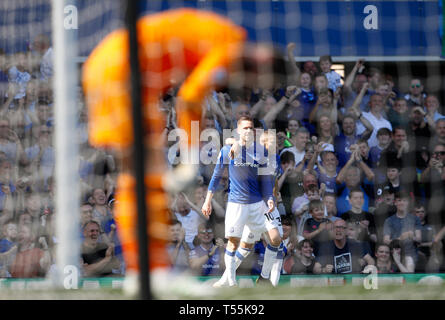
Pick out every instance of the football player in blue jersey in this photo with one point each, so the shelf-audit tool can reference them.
(251, 187)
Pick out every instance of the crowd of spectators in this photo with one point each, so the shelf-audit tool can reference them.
(360, 178)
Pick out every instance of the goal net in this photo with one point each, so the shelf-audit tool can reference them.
(365, 81)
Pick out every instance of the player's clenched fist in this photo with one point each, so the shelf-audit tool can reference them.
(207, 208)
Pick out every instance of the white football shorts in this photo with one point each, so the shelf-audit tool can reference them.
(250, 218)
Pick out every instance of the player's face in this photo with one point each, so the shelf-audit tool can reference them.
(245, 130)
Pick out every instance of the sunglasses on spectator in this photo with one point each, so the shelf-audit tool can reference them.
(206, 231)
(439, 153)
(416, 86)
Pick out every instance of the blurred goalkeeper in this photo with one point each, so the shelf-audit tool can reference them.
(201, 50)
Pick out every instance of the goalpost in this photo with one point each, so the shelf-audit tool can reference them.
(67, 157)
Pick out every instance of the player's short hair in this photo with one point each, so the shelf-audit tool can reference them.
(244, 118)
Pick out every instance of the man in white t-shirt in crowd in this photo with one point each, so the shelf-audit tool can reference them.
(189, 219)
(375, 117)
(302, 137)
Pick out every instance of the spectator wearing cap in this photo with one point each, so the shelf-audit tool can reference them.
(403, 226)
